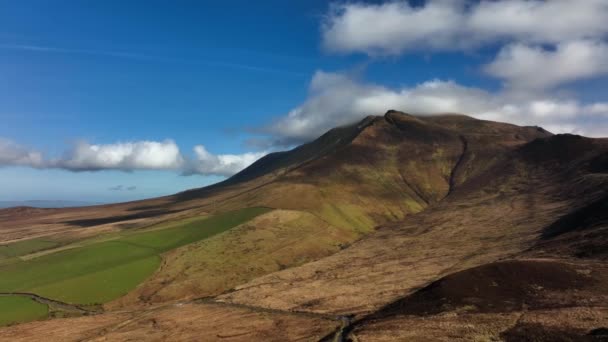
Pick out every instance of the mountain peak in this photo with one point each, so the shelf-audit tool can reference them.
(393, 112)
(396, 117)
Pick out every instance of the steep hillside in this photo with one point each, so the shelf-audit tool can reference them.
(500, 212)
(394, 166)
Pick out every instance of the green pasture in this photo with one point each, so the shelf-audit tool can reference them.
(16, 309)
(25, 247)
(102, 271)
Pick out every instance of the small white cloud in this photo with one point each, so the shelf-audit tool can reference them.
(122, 188)
(535, 68)
(397, 26)
(599, 108)
(206, 163)
(13, 154)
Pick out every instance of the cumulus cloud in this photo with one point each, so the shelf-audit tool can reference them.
(336, 99)
(129, 156)
(397, 26)
(140, 155)
(206, 163)
(12, 153)
(537, 21)
(545, 43)
(392, 27)
(535, 67)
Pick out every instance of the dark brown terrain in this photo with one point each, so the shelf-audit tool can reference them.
(397, 228)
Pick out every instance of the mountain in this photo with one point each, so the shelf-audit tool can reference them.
(397, 227)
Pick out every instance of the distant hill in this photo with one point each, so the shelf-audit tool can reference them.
(46, 204)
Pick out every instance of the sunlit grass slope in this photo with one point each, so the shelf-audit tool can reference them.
(267, 243)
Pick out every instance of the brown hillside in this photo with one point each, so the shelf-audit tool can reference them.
(506, 286)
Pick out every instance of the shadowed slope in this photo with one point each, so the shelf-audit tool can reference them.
(280, 162)
(506, 286)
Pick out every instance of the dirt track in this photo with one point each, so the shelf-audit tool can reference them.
(53, 304)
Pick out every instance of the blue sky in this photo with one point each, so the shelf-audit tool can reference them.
(97, 94)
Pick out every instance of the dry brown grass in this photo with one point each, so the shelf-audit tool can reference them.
(179, 322)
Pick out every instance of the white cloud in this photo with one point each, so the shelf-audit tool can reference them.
(337, 99)
(548, 44)
(129, 156)
(206, 163)
(13, 154)
(395, 27)
(538, 21)
(534, 67)
(140, 155)
(392, 27)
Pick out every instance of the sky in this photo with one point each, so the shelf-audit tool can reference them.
(107, 101)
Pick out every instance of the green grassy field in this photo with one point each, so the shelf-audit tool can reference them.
(103, 271)
(263, 245)
(25, 247)
(15, 309)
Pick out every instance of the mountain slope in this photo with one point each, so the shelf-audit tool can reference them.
(368, 217)
(367, 160)
(499, 213)
(394, 166)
